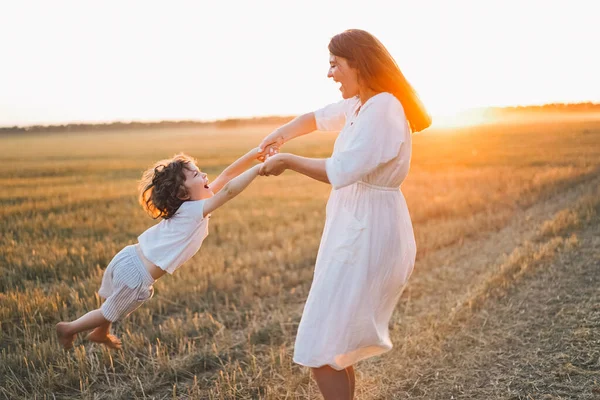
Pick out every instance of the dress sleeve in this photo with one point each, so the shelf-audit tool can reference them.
(333, 116)
(378, 134)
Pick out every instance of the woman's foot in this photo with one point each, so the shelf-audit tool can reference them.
(65, 338)
(110, 341)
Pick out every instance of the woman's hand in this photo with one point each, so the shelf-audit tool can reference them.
(266, 152)
(274, 165)
(270, 145)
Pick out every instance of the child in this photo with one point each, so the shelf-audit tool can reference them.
(179, 193)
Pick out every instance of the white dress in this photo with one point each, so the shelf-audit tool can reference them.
(368, 249)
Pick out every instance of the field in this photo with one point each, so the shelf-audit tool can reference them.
(503, 303)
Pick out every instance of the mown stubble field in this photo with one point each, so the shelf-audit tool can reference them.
(493, 206)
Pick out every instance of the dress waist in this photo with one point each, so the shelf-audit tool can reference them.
(376, 187)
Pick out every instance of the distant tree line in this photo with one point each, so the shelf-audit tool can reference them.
(567, 107)
(83, 127)
(240, 122)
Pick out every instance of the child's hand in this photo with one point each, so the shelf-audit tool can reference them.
(267, 152)
(274, 165)
(270, 145)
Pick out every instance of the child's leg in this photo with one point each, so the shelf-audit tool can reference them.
(101, 331)
(66, 331)
(102, 335)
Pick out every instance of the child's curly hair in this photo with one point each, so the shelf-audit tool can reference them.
(161, 189)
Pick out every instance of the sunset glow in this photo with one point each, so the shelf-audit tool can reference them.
(78, 61)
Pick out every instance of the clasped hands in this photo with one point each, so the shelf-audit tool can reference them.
(268, 152)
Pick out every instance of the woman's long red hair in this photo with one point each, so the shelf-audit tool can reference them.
(378, 71)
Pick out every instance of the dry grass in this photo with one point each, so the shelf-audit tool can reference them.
(223, 326)
(530, 331)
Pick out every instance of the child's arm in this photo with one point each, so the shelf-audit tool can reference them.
(236, 168)
(231, 189)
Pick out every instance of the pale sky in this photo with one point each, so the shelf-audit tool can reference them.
(83, 61)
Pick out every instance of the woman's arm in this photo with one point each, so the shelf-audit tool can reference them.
(230, 190)
(236, 168)
(311, 167)
(299, 126)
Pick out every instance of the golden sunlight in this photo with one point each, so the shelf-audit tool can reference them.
(474, 116)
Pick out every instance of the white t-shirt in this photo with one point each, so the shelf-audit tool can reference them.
(173, 241)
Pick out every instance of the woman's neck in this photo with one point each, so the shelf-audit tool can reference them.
(366, 94)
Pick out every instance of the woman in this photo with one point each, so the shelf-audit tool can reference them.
(367, 250)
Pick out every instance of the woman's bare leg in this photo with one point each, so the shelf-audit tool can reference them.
(352, 379)
(333, 384)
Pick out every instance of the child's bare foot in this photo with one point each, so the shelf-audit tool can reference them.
(64, 338)
(110, 341)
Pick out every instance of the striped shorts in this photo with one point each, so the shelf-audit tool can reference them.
(126, 285)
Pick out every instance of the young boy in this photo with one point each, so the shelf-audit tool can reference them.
(176, 191)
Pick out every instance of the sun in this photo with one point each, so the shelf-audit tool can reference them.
(465, 117)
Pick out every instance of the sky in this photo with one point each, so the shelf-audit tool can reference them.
(79, 61)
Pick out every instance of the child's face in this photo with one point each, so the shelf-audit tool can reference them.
(196, 183)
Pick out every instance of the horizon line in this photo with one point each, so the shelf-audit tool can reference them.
(272, 116)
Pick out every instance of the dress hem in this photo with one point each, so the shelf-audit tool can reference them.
(382, 349)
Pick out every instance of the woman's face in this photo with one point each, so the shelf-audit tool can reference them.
(342, 73)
